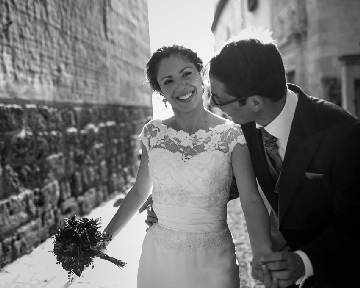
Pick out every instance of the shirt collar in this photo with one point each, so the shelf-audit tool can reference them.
(281, 125)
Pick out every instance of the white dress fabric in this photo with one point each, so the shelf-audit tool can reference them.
(191, 245)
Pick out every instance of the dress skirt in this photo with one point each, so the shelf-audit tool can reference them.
(178, 259)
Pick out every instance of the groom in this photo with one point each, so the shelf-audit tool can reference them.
(306, 157)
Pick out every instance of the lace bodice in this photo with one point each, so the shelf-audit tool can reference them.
(191, 173)
(191, 245)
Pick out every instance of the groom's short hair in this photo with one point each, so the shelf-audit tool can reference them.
(250, 64)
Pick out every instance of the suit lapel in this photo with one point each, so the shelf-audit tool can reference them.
(300, 149)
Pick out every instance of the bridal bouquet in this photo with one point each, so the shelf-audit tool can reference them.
(78, 242)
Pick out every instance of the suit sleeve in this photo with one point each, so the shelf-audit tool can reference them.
(337, 248)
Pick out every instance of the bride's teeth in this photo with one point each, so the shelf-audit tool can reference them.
(184, 97)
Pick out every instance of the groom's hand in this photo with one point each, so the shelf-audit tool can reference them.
(285, 267)
(151, 216)
(261, 273)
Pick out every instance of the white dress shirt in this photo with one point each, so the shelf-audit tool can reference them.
(280, 128)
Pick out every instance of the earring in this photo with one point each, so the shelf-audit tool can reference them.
(165, 102)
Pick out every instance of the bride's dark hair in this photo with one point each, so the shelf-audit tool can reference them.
(165, 52)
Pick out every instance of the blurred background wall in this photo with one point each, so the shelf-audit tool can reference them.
(73, 99)
(318, 39)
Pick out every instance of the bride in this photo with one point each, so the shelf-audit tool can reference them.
(188, 163)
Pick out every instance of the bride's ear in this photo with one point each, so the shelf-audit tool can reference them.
(255, 103)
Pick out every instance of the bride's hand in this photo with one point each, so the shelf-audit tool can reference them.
(151, 216)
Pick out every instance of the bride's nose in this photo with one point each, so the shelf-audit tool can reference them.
(181, 83)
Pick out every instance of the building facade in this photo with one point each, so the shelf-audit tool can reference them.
(318, 39)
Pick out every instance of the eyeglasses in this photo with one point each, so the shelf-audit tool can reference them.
(215, 102)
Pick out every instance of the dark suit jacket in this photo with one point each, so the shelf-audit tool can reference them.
(318, 204)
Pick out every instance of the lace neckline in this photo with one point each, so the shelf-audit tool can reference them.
(197, 133)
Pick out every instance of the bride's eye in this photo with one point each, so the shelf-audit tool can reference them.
(187, 74)
(167, 81)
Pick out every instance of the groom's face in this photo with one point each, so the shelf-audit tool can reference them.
(239, 113)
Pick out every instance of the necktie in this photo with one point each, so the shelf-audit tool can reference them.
(272, 153)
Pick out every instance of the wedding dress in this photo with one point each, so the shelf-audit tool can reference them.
(191, 245)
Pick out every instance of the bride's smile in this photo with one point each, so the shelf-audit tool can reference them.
(180, 83)
(185, 97)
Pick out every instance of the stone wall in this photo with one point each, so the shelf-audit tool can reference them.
(60, 161)
(91, 51)
(313, 35)
(72, 102)
(232, 16)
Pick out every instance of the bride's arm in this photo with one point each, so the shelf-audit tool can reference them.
(255, 212)
(134, 198)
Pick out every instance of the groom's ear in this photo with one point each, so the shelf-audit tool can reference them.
(255, 103)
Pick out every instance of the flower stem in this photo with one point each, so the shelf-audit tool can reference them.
(113, 260)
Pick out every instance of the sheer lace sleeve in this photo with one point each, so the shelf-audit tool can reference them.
(150, 134)
(235, 135)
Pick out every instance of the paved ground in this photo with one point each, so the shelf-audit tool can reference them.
(39, 269)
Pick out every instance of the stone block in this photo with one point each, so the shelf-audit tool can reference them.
(58, 218)
(27, 237)
(3, 192)
(103, 171)
(111, 129)
(11, 182)
(88, 201)
(104, 191)
(36, 118)
(100, 194)
(100, 151)
(70, 165)
(69, 207)
(11, 119)
(20, 148)
(13, 214)
(1, 254)
(56, 165)
(112, 164)
(65, 190)
(68, 117)
(76, 184)
(89, 176)
(50, 193)
(29, 198)
(71, 136)
(9, 223)
(41, 150)
(48, 218)
(7, 250)
(88, 136)
(102, 136)
(114, 147)
(85, 116)
(112, 183)
(55, 141)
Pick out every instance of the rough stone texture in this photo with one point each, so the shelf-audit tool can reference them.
(42, 185)
(91, 51)
(72, 97)
(312, 36)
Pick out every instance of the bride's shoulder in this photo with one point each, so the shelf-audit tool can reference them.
(218, 121)
(151, 124)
